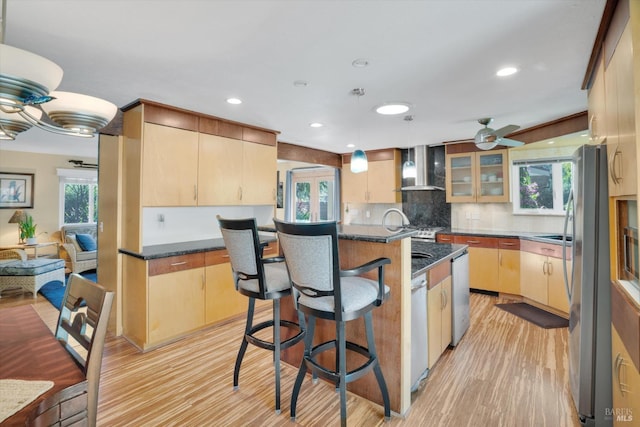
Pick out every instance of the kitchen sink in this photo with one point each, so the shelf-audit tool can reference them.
(556, 237)
(421, 254)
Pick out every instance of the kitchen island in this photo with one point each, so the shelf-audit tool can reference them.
(392, 321)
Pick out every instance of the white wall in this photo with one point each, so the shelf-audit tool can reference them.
(184, 224)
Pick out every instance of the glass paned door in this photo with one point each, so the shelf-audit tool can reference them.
(314, 198)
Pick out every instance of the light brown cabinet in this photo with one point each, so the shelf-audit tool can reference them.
(542, 274)
(439, 311)
(626, 384)
(380, 184)
(169, 166)
(620, 98)
(478, 177)
(232, 172)
(509, 266)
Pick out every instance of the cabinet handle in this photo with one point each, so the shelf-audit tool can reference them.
(612, 167)
(239, 193)
(473, 242)
(500, 260)
(174, 264)
(592, 128)
(441, 300)
(549, 268)
(444, 239)
(225, 256)
(544, 268)
(619, 364)
(204, 281)
(446, 299)
(507, 244)
(195, 192)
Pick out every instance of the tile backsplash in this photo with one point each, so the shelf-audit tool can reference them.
(500, 217)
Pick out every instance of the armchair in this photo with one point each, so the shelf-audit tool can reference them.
(77, 260)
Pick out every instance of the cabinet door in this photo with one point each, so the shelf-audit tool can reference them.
(446, 314)
(434, 318)
(533, 278)
(626, 383)
(492, 176)
(509, 271)
(557, 292)
(219, 170)
(169, 166)
(222, 299)
(625, 164)
(382, 185)
(460, 178)
(176, 304)
(354, 185)
(483, 263)
(597, 110)
(259, 174)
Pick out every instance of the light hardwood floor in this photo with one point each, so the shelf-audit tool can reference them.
(504, 372)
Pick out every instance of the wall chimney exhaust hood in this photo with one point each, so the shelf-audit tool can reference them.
(423, 166)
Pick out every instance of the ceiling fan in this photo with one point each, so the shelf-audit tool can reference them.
(487, 138)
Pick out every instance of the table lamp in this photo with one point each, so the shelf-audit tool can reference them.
(17, 217)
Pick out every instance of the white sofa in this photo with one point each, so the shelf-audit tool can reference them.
(77, 259)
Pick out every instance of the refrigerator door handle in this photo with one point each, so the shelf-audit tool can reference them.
(568, 284)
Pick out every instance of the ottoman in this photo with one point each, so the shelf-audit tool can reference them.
(30, 275)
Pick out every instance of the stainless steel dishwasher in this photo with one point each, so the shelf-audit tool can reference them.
(419, 342)
(460, 297)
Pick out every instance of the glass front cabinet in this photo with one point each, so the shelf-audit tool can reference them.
(478, 177)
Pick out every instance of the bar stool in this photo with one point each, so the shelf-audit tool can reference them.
(258, 278)
(322, 290)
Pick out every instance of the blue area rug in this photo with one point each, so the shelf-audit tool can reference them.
(54, 291)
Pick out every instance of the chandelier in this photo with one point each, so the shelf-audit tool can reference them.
(28, 97)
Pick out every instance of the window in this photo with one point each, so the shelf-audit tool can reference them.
(78, 196)
(314, 195)
(541, 187)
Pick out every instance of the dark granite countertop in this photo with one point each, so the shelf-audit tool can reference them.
(440, 252)
(184, 248)
(527, 235)
(367, 233)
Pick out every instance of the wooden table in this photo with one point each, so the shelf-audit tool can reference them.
(29, 351)
(35, 248)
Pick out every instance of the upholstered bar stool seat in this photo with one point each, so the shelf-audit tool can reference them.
(258, 278)
(322, 290)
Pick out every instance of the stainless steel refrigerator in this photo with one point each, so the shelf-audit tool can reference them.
(589, 289)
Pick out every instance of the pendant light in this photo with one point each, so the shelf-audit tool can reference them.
(27, 97)
(359, 161)
(409, 167)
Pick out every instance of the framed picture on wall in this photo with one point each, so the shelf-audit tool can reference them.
(16, 190)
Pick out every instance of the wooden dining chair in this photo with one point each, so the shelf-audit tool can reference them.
(81, 329)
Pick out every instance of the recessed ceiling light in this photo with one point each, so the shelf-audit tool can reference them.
(351, 145)
(551, 142)
(584, 135)
(316, 125)
(300, 83)
(392, 108)
(234, 101)
(506, 71)
(360, 63)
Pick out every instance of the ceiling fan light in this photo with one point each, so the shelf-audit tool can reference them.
(359, 162)
(12, 124)
(485, 139)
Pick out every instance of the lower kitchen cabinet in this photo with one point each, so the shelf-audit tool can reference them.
(542, 274)
(626, 384)
(483, 261)
(175, 304)
(439, 311)
(222, 300)
(509, 266)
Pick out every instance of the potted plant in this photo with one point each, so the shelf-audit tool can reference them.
(28, 230)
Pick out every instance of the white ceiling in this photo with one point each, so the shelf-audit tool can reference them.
(439, 55)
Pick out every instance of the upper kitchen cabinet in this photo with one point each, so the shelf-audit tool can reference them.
(620, 94)
(597, 112)
(232, 172)
(380, 184)
(187, 159)
(478, 177)
(169, 172)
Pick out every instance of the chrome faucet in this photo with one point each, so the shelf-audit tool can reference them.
(405, 220)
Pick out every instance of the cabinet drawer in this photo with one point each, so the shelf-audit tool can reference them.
(546, 249)
(175, 263)
(216, 257)
(476, 242)
(444, 238)
(508, 243)
(438, 273)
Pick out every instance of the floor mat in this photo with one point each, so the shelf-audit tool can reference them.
(54, 291)
(535, 315)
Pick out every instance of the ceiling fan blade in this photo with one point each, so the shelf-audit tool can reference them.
(505, 130)
(510, 142)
